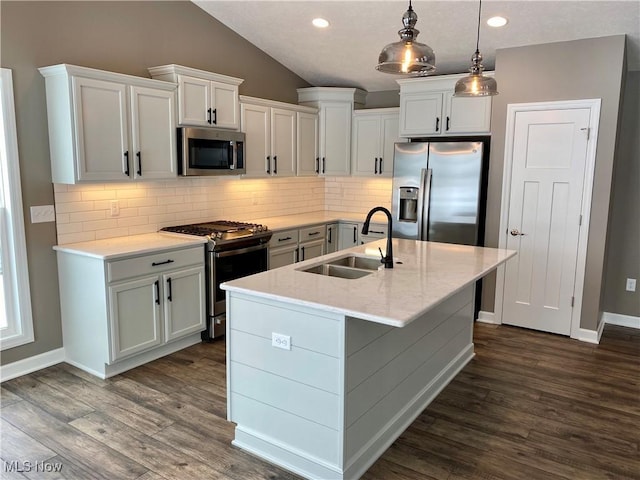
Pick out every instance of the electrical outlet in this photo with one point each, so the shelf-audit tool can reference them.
(114, 208)
(280, 341)
(42, 214)
(631, 284)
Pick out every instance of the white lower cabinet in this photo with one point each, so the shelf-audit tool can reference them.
(332, 238)
(290, 246)
(118, 314)
(347, 235)
(377, 231)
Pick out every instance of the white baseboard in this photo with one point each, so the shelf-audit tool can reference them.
(487, 317)
(31, 364)
(591, 336)
(621, 320)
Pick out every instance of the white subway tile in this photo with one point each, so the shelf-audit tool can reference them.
(76, 237)
(130, 193)
(140, 229)
(99, 225)
(132, 221)
(87, 216)
(65, 228)
(112, 233)
(66, 197)
(74, 207)
(99, 195)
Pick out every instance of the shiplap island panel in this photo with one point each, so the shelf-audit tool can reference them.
(348, 381)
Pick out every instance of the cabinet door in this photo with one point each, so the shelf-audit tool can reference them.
(101, 124)
(467, 114)
(366, 145)
(307, 144)
(224, 102)
(335, 138)
(279, 257)
(420, 114)
(255, 121)
(283, 142)
(348, 236)
(193, 101)
(153, 132)
(332, 238)
(312, 249)
(390, 125)
(134, 316)
(183, 302)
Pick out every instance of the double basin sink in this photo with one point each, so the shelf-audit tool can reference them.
(349, 267)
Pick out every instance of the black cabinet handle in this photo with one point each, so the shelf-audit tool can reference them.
(312, 234)
(209, 116)
(355, 235)
(448, 121)
(330, 228)
(169, 289)
(269, 164)
(437, 124)
(380, 169)
(126, 157)
(284, 239)
(139, 163)
(155, 264)
(157, 284)
(376, 231)
(317, 164)
(302, 248)
(214, 120)
(324, 164)
(375, 168)
(275, 164)
(297, 252)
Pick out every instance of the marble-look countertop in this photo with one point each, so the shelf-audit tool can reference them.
(424, 275)
(111, 248)
(301, 220)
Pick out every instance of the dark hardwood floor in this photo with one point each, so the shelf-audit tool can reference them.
(528, 406)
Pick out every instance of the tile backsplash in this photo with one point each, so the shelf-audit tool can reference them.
(83, 212)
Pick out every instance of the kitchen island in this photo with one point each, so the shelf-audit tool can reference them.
(325, 372)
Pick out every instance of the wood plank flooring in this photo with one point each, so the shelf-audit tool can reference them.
(529, 406)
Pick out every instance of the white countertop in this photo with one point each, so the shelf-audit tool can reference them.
(430, 272)
(118, 247)
(283, 222)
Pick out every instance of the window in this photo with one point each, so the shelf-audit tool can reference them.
(16, 323)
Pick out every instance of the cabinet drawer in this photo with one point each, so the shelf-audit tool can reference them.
(312, 233)
(154, 263)
(378, 230)
(285, 237)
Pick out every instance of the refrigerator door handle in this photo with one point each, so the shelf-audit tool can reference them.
(423, 204)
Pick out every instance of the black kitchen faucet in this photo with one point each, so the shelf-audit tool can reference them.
(387, 259)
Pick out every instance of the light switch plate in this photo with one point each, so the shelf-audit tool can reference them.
(43, 213)
(631, 285)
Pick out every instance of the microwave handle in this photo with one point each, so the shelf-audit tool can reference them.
(234, 157)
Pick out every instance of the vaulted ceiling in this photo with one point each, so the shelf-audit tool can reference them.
(345, 53)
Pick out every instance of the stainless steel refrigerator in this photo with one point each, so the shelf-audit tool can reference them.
(438, 192)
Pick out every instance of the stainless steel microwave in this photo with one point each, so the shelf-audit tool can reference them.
(210, 151)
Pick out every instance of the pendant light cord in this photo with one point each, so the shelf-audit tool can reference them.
(478, 36)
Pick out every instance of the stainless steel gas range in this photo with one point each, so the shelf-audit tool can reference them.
(233, 250)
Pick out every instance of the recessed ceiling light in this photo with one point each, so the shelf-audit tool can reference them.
(320, 23)
(497, 22)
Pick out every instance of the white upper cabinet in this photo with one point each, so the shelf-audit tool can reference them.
(428, 108)
(336, 107)
(107, 126)
(307, 144)
(374, 133)
(204, 98)
(272, 132)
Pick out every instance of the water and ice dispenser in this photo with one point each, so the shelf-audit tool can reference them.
(408, 204)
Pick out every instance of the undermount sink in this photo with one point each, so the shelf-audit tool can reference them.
(349, 267)
(367, 263)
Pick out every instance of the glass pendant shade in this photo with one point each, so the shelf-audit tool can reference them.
(476, 84)
(407, 56)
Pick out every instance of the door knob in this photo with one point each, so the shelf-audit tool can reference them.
(516, 233)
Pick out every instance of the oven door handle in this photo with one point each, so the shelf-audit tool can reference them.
(239, 251)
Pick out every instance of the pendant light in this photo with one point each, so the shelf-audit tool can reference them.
(476, 84)
(407, 57)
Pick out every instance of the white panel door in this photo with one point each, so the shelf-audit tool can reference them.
(183, 302)
(134, 316)
(348, 235)
(256, 125)
(153, 132)
(307, 144)
(224, 104)
(335, 138)
(194, 101)
(283, 142)
(547, 181)
(101, 121)
(366, 145)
